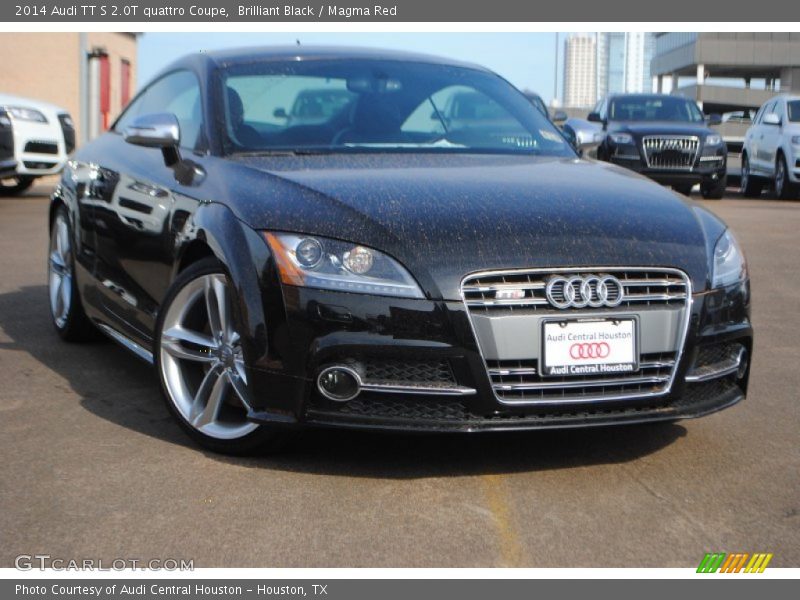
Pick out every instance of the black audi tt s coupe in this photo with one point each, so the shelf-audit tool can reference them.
(367, 239)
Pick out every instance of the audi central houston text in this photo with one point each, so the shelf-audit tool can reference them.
(310, 236)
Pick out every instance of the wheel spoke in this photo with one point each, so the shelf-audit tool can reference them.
(216, 306)
(55, 292)
(176, 350)
(214, 391)
(240, 388)
(57, 262)
(180, 334)
(65, 289)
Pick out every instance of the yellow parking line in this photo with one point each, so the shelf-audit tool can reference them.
(508, 542)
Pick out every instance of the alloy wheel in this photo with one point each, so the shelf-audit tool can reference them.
(201, 359)
(780, 178)
(60, 272)
(745, 177)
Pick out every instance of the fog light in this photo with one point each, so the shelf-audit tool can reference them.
(338, 383)
(742, 365)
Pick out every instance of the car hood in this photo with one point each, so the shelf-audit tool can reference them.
(12, 100)
(639, 128)
(447, 216)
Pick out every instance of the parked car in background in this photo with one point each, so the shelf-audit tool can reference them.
(664, 137)
(738, 116)
(584, 135)
(558, 116)
(384, 270)
(771, 151)
(312, 107)
(35, 140)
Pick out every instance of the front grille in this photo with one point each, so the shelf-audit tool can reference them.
(519, 381)
(406, 372)
(40, 147)
(32, 164)
(412, 409)
(68, 129)
(646, 292)
(641, 288)
(671, 152)
(709, 356)
(421, 414)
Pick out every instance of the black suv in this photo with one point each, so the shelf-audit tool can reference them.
(666, 138)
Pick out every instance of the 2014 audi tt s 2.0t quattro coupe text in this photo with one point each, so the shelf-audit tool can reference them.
(374, 262)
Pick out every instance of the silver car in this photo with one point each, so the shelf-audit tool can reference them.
(771, 152)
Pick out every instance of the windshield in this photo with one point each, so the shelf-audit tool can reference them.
(794, 110)
(385, 106)
(654, 108)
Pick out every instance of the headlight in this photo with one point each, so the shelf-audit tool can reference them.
(729, 264)
(621, 138)
(311, 261)
(713, 140)
(26, 114)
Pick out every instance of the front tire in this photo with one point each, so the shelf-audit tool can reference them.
(201, 364)
(784, 189)
(14, 186)
(685, 189)
(751, 185)
(714, 189)
(66, 309)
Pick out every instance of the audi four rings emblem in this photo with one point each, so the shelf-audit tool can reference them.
(580, 291)
(590, 350)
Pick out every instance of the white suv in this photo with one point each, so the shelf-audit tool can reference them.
(771, 151)
(35, 140)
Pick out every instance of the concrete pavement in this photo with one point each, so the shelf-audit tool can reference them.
(92, 465)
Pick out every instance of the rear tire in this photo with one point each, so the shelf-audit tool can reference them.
(201, 365)
(714, 189)
(751, 185)
(784, 189)
(14, 186)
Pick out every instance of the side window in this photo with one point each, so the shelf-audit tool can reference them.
(778, 110)
(178, 93)
(133, 110)
(757, 118)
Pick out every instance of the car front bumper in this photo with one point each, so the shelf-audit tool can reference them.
(700, 172)
(421, 339)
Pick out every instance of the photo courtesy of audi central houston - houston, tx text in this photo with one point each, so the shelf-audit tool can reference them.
(407, 299)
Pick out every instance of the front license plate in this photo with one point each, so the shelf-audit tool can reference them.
(589, 347)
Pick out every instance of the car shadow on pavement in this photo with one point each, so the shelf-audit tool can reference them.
(114, 385)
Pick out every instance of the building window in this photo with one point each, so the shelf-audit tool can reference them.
(125, 83)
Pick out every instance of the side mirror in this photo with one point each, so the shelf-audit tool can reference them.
(714, 119)
(280, 113)
(559, 116)
(594, 117)
(771, 119)
(156, 130)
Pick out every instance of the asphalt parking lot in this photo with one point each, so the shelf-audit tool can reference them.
(92, 465)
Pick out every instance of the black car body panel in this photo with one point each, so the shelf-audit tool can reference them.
(137, 223)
